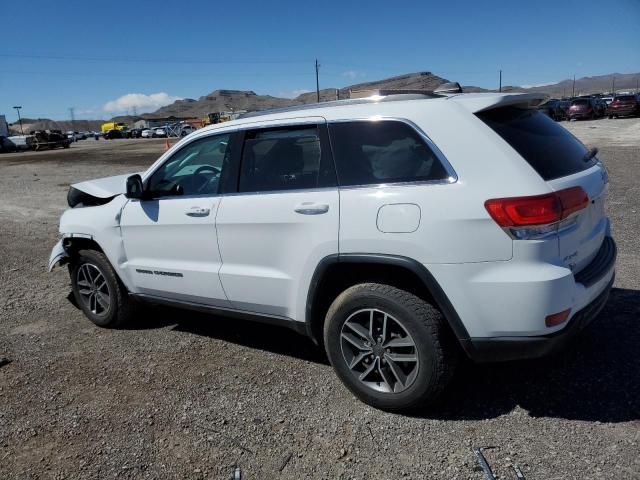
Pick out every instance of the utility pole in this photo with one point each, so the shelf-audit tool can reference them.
(573, 88)
(317, 81)
(613, 85)
(19, 119)
(500, 87)
(73, 119)
(637, 91)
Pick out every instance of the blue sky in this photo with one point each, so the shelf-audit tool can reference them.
(87, 55)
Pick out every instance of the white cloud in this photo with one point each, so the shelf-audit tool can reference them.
(293, 93)
(140, 101)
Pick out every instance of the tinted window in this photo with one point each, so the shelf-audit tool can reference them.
(580, 102)
(373, 152)
(624, 98)
(195, 169)
(547, 147)
(281, 159)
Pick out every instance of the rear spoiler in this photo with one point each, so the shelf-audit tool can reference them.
(478, 102)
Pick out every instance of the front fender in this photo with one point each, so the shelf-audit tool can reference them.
(58, 256)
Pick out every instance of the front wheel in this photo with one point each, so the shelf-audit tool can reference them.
(389, 347)
(98, 291)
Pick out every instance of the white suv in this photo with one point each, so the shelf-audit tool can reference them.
(398, 232)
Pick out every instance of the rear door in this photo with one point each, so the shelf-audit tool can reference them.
(282, 219)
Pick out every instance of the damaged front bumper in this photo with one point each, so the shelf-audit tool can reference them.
(58, 255)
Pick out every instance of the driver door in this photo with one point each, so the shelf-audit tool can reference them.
(170, 237)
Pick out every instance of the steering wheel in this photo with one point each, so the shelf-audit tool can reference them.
(205, 168)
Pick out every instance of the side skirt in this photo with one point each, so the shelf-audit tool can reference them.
(286, 322)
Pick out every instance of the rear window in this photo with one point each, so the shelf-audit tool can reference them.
(385, 151)
(547, 147)
(580, 102)
(624, 98)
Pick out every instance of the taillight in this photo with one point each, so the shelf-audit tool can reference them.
(537, 210)
(523, 211)
(572, 200)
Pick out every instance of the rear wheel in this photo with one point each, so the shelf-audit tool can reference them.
(98, 291)
(389, 347)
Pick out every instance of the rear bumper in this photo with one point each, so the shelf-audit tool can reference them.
(622, 111)
(581, 114)
(500, 349)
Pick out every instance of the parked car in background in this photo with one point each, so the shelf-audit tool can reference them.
(556, 109)
(585, 108)
(186, 130)
(135, 133)
(624, 105)
(146, 133)
(112, 134)
(160, 132)
(75, 136)
(607, 99)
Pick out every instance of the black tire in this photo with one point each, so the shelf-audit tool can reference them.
(119, 308)
(434, 348)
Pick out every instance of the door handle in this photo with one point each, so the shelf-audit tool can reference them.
(311, 208)
(197, 211)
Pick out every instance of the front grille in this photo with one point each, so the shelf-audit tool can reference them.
(600, 265)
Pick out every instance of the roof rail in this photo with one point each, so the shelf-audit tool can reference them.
(340, 103)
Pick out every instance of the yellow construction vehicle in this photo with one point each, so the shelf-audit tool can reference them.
(112, 126)
(220, 117)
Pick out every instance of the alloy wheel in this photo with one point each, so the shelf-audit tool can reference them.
(93, 289)
(379, 351)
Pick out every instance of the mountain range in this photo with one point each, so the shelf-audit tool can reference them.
(229, 100)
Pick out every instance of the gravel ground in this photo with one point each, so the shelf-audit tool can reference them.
(182, 395)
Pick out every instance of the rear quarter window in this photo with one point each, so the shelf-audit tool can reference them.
(384, 151)
(550, 149)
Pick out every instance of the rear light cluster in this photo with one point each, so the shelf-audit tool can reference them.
(539, 215)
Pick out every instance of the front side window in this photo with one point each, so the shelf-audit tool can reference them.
(195, 169)
(386, 151)
(282, 159)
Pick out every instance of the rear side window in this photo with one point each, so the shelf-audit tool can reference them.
(284, 159)
(374, 152)
(547, 147)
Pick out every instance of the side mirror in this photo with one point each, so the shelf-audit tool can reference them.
(135, 189)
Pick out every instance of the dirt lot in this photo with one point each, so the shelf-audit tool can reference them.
(182, 395)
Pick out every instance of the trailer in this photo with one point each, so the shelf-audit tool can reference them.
(49, 139)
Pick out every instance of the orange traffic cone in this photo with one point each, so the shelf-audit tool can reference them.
(167, 145)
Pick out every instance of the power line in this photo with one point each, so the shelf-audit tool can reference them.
(148, 60)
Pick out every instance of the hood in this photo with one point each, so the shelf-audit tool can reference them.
(104, 187)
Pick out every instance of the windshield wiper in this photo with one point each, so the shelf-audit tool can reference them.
(590, 154)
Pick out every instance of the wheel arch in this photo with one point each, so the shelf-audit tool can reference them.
(337, 272)
(73, 243)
